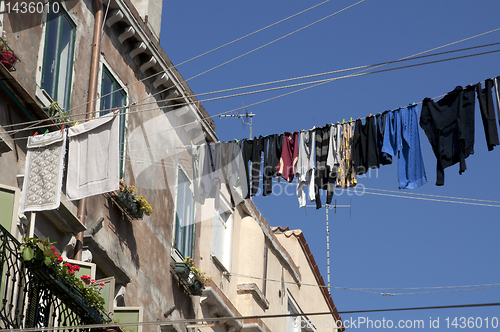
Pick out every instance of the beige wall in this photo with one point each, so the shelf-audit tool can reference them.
(249, 242)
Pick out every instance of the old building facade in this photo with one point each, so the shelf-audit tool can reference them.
(72, 61)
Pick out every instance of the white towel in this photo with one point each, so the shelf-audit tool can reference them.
(43, 172)
(94, 157)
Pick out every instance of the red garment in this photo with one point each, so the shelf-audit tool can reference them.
(289, 156)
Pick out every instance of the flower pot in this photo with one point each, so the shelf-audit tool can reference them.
(196, 288)
(8, 59)
(128, 202)
(182, 270)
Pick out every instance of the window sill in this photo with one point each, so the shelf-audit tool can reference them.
(258, 296)
(221, 267)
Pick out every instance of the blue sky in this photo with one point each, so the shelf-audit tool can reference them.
(382, 241)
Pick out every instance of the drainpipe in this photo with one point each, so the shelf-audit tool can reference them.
(92, 95)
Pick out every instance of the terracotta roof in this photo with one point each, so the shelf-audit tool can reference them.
(312, 263)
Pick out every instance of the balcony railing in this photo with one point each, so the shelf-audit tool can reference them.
(32, 295)
(7, 56)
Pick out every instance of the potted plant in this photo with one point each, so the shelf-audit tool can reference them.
(8, 58)
(82, 294)
(135, 205)
(193, 279)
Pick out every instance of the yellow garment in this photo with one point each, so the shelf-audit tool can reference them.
(346, 177)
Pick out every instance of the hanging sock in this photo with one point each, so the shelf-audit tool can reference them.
(485, 98)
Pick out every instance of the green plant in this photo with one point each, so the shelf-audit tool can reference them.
(5, 44)
(199, 274)
(43, 250)
(56, 112)
(143, 205)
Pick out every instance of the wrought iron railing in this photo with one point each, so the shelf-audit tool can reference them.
(7, 56)
(33, 296)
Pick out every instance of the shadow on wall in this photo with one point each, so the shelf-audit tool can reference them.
(123, 229)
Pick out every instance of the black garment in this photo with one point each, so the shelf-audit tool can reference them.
(485, 98)
(384, 157)
(322, 171)
(246, 152)
(365, 153)
(274, 144)
(449, 126)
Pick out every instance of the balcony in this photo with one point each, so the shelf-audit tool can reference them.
(7, 56)
(34, 295)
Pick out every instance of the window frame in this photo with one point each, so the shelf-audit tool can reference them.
(64, 14)
(223, 262)
(179, 252)
(15, 206)
(291, 304)
(122, 89)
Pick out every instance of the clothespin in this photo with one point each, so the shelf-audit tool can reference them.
(36, 133)
(351, 119)
(343, 120)
(46, 131)
(62, 128)
(356, 119)
(76, 123)
(370, 115)
(91, 120)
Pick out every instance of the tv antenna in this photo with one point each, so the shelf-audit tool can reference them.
(328, 207)
(246, 115)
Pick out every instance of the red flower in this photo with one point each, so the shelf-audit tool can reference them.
(54, 249)
(59, 259)
(86, 279)
(55, 253)
(68, 265)
(76, 268)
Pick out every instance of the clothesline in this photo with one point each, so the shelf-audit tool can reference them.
(331, 156)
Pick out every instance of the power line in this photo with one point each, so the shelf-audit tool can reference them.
(196, 57)
(272, 42)
(315, 83)
(240, 318)
(250, 34)
(448, 197)
(444, 289)
(415, 55)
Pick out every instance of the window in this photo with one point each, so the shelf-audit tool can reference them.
(113, 95)
(184, 217)
(222, 235)
(58, 57)
(296, 323)
(9, 202)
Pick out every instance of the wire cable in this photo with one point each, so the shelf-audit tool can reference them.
(250, 34)
(377, 65)
(272, 42)
(315, 83)
(196, 57)
(243, 318)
